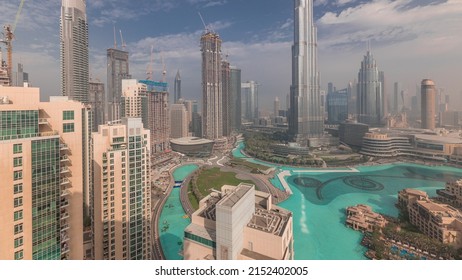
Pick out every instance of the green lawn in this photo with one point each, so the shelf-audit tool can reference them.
(213, 178)
(249, 165)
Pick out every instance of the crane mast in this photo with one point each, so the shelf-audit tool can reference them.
(8, 36)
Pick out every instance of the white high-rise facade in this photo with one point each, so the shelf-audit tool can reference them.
(306, 116)
(74, 50)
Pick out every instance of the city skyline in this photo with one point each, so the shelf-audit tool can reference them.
(412, 39)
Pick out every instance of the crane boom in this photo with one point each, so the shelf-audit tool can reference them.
(18, 13)
(122, 40)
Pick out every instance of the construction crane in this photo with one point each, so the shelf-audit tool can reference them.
(150, 70)
(122, 40)
(8, 36)
(164, 70)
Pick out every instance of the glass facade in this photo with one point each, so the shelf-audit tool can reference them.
(45, 200)
(200, 240)
(19, 124)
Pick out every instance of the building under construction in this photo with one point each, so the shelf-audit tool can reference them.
(148, 100)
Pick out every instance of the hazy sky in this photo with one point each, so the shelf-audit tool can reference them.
(411, 40)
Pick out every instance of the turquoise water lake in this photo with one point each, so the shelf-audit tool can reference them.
(318, 204)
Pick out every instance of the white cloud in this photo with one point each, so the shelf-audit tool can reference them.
(410, 42)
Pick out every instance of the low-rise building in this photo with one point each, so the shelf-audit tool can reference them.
(452, 193)
(362, 218)
(192, 146)
(440, 146)
(239, 222)
(438, 221)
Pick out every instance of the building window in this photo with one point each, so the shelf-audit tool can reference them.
(68, 127)
(18, 201)
(17, 228)
(18, 255)
(17, 161)
(18, 242)
(18, 215)
(68, 115)
(17, 175)
(17, 148)
(18, 188)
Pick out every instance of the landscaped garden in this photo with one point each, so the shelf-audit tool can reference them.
(205, 180)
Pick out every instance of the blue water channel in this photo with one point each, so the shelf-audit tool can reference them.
(173, 219)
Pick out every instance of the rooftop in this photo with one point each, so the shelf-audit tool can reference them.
(231, 198)
(190, 141)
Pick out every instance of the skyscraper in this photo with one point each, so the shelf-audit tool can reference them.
(235, 98)
(117, 70)
(337, 106)
(158, 116)
(371, 105)
(306, 117)
(226, 99)
(96, 98)
(177, 88)
(428, 93)
(148, 100)
(277, 107)
(397, 105)
(250, 100)
(212, 125)
(45, 175)
(178, 121)
(122, 200)
(74, 50)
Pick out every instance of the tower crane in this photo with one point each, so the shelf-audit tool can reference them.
(164, 70)
(8, 36)
(122, 40)
(150, 70)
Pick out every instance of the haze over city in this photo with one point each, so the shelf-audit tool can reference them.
(411, 40)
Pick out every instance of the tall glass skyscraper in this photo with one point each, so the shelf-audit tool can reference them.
(306, 117)
(74, 50)
(177, 87)
(371, 105)
(235, 98)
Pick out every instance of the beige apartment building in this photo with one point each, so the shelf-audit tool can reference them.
(438, 221)
(45, 158)
(239, 223)
(452, 193)
(148, 100)
(122, 191)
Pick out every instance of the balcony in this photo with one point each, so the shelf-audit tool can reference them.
(64, 215)
(64, 203)
(64, 170)
(63, 147)
(65, 193)
(64, 237)
(49, 133)
(65, 227)
(64, 248)
(64, 181)
(43, 121)
(64, 159)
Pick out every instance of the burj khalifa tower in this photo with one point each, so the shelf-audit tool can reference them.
(306, 116)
